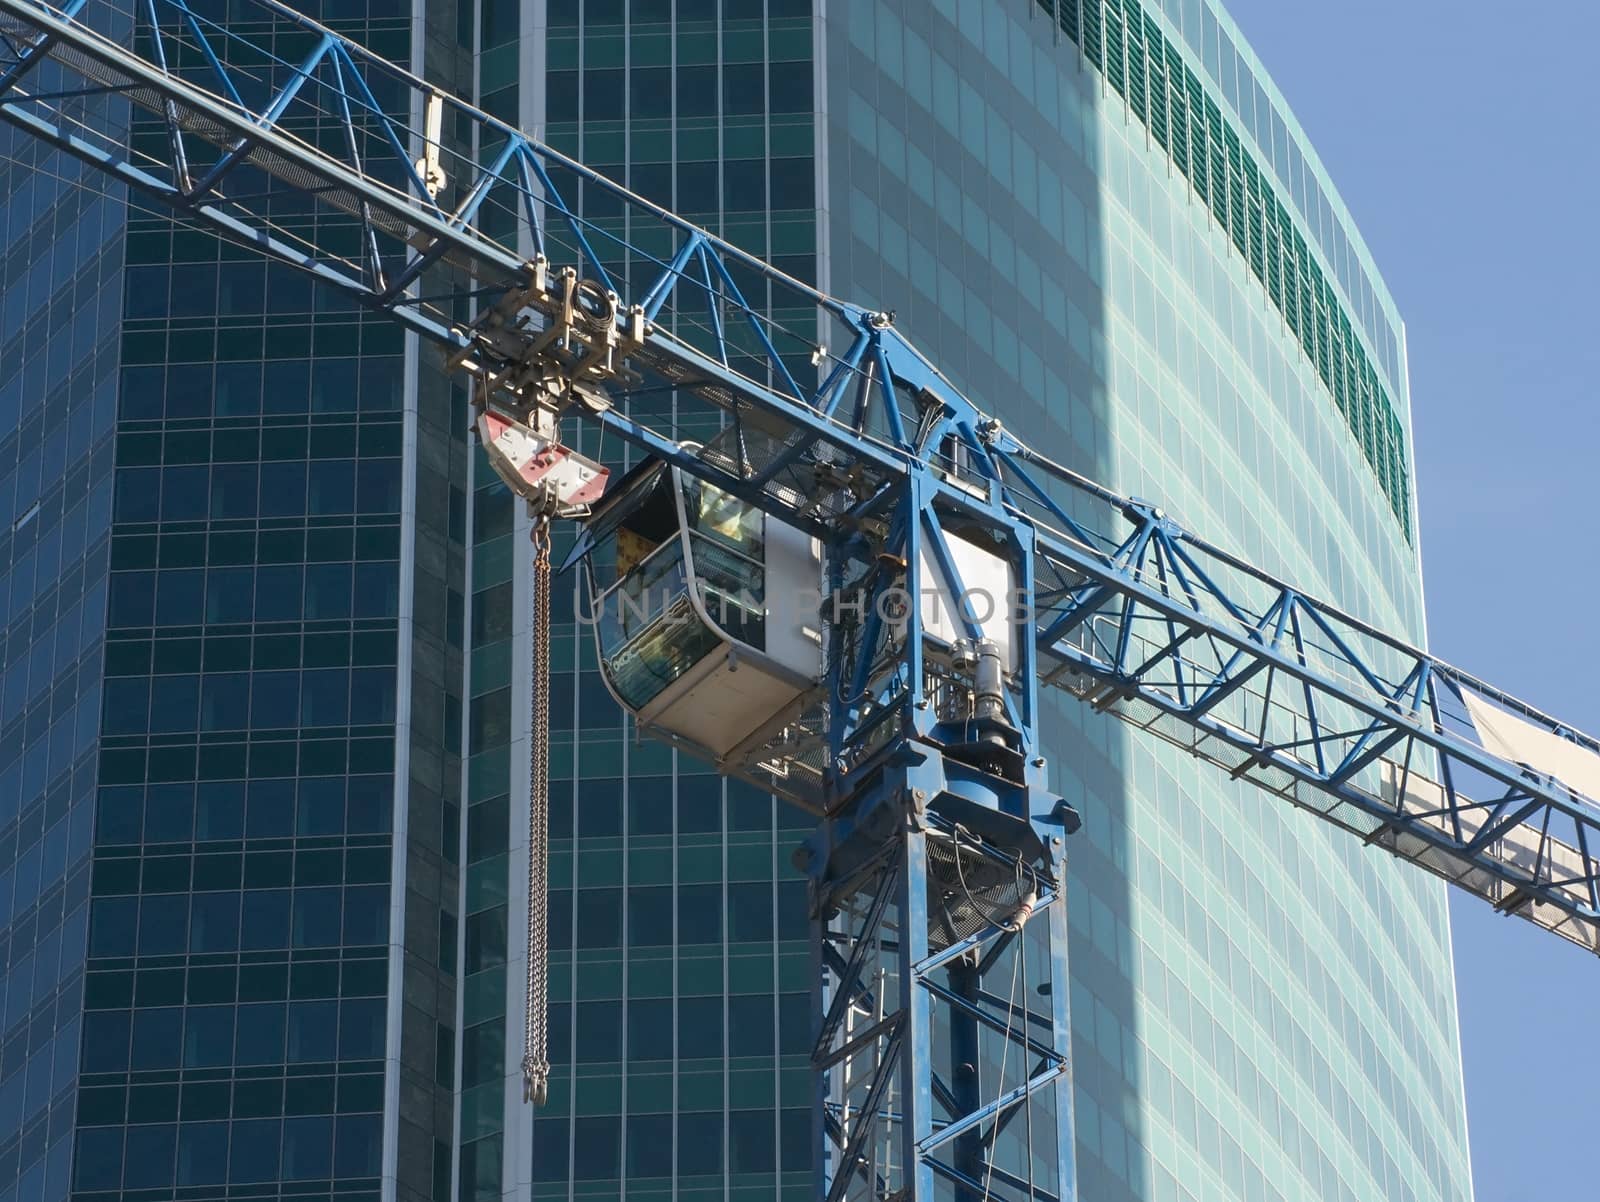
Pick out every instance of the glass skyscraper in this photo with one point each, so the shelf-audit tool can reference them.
(263, 754)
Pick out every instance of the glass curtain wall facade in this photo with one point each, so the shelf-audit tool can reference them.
(269, 1003)
(61, 250)
(1100, 218)
(679, 995)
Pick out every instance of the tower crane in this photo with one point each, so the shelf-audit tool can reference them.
(850, 594)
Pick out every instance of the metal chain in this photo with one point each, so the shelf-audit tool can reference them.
(535, 1056)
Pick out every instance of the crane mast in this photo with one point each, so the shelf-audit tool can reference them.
(938, 864)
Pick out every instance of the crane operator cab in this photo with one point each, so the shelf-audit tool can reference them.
(693, 598)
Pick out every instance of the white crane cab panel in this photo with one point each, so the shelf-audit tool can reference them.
(691, 593)
(988, 597)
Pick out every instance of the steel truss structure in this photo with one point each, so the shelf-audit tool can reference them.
(937, 838)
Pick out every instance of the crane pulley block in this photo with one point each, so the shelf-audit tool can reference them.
(534, 463)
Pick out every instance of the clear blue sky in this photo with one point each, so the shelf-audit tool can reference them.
(1461, 137)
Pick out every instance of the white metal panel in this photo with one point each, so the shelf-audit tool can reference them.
(794, 599)
(1522, 742)
(988, 591)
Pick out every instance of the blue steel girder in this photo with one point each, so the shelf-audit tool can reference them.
(1329, 713)
(931, 1064)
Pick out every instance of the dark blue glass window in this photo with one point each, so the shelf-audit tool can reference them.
(794, 1025)
(602, 95)
(750, 912)
(127, 705)
(208, 1036)
(260, 1034)
(238, 389)
(114, 926)
(133, 599)
(283, 489)
(219, 812)
(550, 1147)
(793, 183)
(650, 1028)
(699, 805)
(214, 922)
(649, 916)
(327, 591)
(366, 915)
(597, 1147)
(743, 88)
(380, 383)
(699, 1143)
(794, 919)
(794, 1140)
(333, 486)
(225, 705)
(179, 597)
(157, 1037)
(233, 490)
(313, 1031)
(599, 1036)
(750, 1022)
(599, 918)
(254, 1155)
(650, 91)
(174, 703)
(202, 1153)
(138, 494)
(142, 394)
(98, 1163)
(169, 808)
(105, 1040)
(752, 1142)
(194, 294)
(163, 924)
(320, 808)
(265, 921)
(377, 590)
(185, 493)
(270, 806)
(230, 593)
(744, 185)
(369, 802)
(316, 917)
(307, 1148)
(371, 696)
(699, 1027)
(361, 1028)
(275, 700)
(486, 939)
(790, 87)
(378, 486)
(278, 589)
(649, 1145)
(358, 1143)
(333, 385)
(286, 383)
(119, 814)
(325, 697)
(700, 914)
